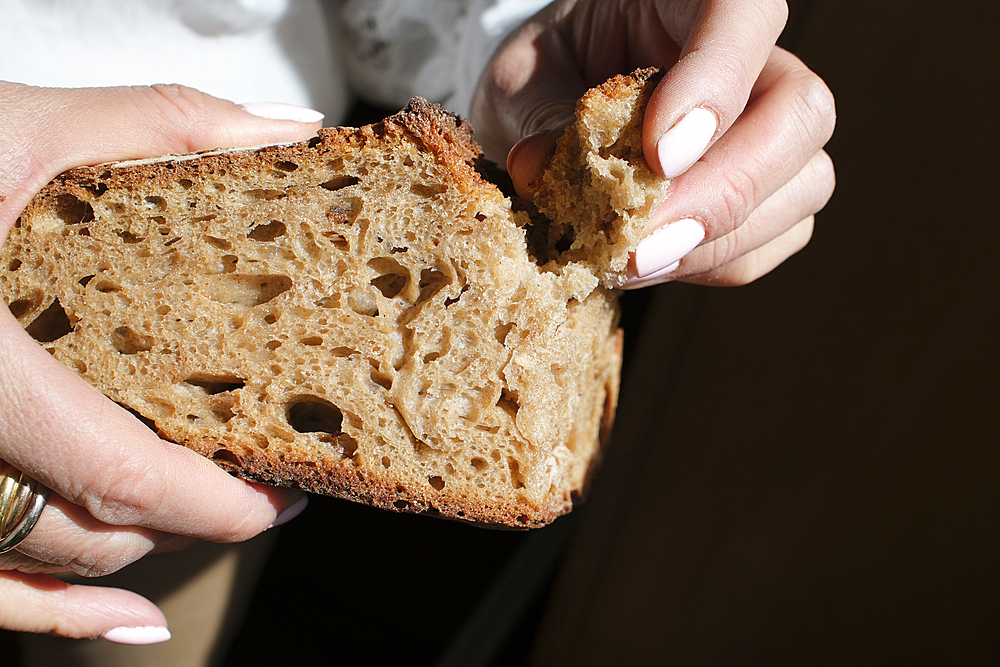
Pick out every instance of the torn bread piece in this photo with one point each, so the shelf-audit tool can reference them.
(359, 315)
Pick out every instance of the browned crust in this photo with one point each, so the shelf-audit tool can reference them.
(430, 126)
(339, 480)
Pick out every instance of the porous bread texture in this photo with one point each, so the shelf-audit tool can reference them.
(356, 315)
(597, 188)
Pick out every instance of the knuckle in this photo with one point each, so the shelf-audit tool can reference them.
(121, 495)
(815, 108)
(826, 176)
(739, 196)
(184, 111)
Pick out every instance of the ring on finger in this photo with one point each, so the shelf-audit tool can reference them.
(22, 500)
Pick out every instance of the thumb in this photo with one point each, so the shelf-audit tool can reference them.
(49, 130)
(524, 98)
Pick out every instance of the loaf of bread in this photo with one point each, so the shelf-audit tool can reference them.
(361, 315)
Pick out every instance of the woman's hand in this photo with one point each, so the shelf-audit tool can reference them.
(736, 122)
(117, 491)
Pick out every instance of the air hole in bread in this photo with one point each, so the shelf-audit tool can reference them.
(14, 265)
(339, 183)
(227, 457)
(245, 290)
(346, 445)
(286, 165)
(216, 384)
(83, 231)
(508, 402)
(273, 344)
(338, 240)
(271, 318)
(129, 237)
(85, 280)
(343, 351)
(329, 301)
(400, 504)
(265, 194)
(312, 414)
(51, 324)
(427, 190)
(221, 244)
(155, 203)
(502, 330)
(479, 464)
(72, 210)
(311, 340)
(107, 287)
(268, 232)
(22, 307)
(386, 462)
(516, 478)
(127, 341)
(431, 282)
(381, 379)
(392, 278)
(437, 482)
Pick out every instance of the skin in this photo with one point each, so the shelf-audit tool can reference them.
(118, 492)
(764, 174)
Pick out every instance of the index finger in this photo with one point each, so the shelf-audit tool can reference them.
(726, 44)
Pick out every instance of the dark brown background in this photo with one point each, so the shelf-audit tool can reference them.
(804, 470)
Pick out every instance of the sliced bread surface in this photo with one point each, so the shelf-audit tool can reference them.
(358, 315)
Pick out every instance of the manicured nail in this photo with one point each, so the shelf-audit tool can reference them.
(279, 111)
(147, 634)
(633, 282)
(667, 245)
(682, 145)
(290, 512)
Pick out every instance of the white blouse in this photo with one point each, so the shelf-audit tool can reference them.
(303, 52)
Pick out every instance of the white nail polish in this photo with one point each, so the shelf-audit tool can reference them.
(633, 281)
(682, 145)
(290, 512)
(147, 634)
(666, 246)
(279, 111)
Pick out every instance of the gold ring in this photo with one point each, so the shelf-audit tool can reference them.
(22, 500)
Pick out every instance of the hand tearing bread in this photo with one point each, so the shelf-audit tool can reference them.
(362, 315)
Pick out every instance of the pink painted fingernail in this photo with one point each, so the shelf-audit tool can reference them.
(682, 145)
(137, 636)
(666, 246)
(279, 111)
(290, 512)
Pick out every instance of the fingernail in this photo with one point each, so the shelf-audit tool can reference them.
(279, 111)
(667, 245)
(632, 281)
(147, 634)
(290, 512)
(682, 145)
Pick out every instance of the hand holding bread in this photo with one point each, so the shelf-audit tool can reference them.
(118, 490)
(737, 123)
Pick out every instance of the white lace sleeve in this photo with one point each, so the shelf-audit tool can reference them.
(395, 49)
